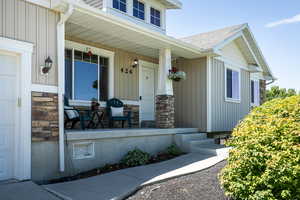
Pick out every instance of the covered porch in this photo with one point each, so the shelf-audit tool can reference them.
(125, 61)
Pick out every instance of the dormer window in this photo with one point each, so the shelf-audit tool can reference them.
(120, 5)
(139, 9)
(155, 17)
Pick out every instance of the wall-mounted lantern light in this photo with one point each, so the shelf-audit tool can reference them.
(135, 63)
(48, 65)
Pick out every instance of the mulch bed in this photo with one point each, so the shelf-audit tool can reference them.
(201, 185)
(112, 167)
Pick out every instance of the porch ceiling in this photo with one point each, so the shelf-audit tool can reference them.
(97, 26)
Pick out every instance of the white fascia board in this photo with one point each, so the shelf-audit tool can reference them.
(170, 41)
(175, 4)
(44, 3)
(252, 53)
(227, 41)
(218, 47)
(259, 50)
(254, 69)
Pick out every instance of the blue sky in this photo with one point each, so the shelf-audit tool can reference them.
(274, 23)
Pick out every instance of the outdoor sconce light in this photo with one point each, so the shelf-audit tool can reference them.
(48, 65)
(135, 63)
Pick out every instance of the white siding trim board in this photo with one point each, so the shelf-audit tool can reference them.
(209, 95)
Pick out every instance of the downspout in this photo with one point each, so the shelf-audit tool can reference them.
(61, 82)
(272, 81)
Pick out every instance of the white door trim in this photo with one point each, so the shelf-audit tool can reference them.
(148, 65)
(22, 160)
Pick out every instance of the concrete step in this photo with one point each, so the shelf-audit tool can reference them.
(183, 139)
(201, 141)
(211, 149)
(192, 136)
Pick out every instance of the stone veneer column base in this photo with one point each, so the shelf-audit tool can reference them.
(44, 117)
(165, 111)
(262, 91)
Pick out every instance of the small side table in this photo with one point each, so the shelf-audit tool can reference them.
(97, 117)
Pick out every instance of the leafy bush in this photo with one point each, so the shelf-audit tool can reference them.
(135, 157)
(174, 150)
(265, 160)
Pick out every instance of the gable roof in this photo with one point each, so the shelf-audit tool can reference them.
(215, 40)
(209, 40)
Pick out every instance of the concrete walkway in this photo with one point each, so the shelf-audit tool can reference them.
(122, 183)
(24, 190)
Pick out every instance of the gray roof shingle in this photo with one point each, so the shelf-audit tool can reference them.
(210, 39)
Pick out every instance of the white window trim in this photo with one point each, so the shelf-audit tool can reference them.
(161, 16)
(100, 52)
(148, 6)
(258, 103)
(22, 160)
(227, 99)
(145, 11)
(44, 88)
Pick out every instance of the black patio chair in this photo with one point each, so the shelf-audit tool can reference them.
(116, 103)
(72, 115)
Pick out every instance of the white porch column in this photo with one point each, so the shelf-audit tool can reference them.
(165, 86)
(165, 109)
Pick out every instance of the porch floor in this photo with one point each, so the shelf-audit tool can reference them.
(124, 132)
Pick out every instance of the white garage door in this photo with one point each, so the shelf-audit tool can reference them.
(8, 106)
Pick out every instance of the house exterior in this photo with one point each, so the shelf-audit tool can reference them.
(231, 82)
(97, 42)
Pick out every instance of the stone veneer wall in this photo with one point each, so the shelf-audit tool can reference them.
(262, 91)
(165, 111)
(44, 116)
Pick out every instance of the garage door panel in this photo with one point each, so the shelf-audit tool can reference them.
(8, 100)
(7, 114)
(8, 65)
(7, 89)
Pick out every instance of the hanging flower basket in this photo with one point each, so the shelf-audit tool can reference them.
(176, 75)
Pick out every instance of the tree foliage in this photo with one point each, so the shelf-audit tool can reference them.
(265, 161)
(276, 92)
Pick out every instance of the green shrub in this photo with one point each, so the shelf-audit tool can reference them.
(174, 150)
(265, 160)
(135, 157)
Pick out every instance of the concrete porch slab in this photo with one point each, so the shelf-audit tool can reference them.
(24, 190)
(93, 134)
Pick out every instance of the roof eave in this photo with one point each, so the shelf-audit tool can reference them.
(172, 4)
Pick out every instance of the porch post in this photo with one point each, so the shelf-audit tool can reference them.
(165, 111)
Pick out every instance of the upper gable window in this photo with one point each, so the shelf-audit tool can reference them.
(155, 17)
(139, 9)
(120, 5)
(233, 85)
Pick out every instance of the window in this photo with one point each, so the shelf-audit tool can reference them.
(255, 100)
(87, 79)
(155, 17)
(232, 84)
(120, 5)
(138, 9)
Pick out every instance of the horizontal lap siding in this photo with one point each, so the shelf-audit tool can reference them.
(226, 115)
(20, 20)
(126, 84)
(190, 95)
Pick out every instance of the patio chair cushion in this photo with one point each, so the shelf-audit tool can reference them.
(117, 112)
(71, 113)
